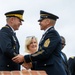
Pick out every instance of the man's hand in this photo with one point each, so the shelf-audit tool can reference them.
(18, 59)
(27, 65)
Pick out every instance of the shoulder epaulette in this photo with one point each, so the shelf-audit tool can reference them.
(5, 27)
(72, 57)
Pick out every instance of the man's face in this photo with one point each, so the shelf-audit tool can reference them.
(16, 22)
(44, 24)
(63, 43)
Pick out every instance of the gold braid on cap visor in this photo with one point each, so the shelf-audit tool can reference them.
(16, 15)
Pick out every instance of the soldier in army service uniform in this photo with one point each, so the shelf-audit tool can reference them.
(48, 56)
(9, 45)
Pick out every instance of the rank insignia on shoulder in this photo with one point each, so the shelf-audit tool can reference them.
(5, 27)
(72, 57)
(46, 43)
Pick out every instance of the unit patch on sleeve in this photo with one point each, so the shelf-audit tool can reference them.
(46, 43)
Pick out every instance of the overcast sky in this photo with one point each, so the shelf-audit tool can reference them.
(65, 25)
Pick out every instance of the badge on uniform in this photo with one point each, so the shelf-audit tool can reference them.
(14, 39)
(46, 43)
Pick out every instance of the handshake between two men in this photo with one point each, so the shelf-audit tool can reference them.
(19, 59)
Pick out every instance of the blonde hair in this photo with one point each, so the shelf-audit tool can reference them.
(28, 41)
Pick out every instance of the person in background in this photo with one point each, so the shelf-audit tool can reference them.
(64, 57)
(48, 55)
(31, 46)
(9, 45)
(71, 63)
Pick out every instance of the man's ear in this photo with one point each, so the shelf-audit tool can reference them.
(47, 21)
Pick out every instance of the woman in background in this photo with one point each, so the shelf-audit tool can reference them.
(31, 46)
